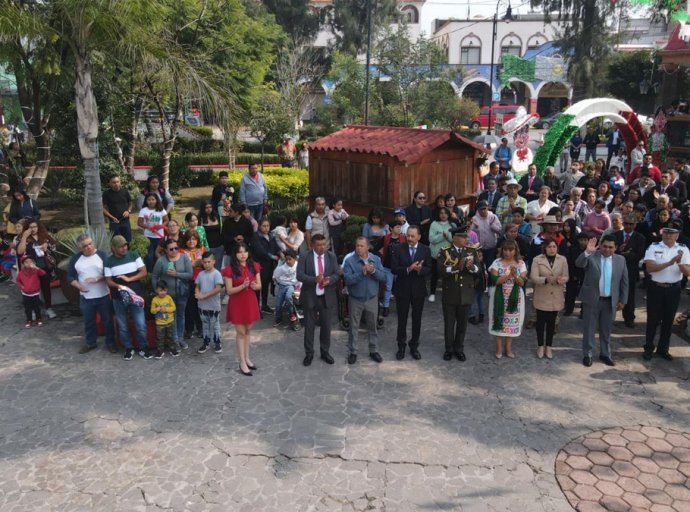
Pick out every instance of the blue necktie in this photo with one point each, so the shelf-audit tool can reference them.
(413, 251)
(607, 278)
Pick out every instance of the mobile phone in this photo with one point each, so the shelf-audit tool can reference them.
(171, 265)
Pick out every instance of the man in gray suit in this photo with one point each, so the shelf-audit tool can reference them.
(317, 270)
(604, 291)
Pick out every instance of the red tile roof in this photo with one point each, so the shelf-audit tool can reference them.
(408, 145)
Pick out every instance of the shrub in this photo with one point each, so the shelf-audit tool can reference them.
(287, 187)
(352, 231)
(140, 244)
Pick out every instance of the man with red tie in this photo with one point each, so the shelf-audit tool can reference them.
(317, 270)
(531, 184)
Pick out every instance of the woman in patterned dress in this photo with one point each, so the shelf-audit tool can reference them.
(506, 299)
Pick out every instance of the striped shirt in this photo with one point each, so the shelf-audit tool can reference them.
(128, 265)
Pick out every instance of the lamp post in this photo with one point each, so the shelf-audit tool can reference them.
(366, 82)
(508, 16)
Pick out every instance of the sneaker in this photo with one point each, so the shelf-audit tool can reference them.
(39, 323)
(218, 348)
(128, 354)
(145, 353)
(203, 348)
(159, 354)
(184, 345)
(28, 324)
(432, 298)
(174, 352)
(51, 313)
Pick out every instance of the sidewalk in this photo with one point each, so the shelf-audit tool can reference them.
(93, 432)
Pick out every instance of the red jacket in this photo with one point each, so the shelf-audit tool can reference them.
(28, 280)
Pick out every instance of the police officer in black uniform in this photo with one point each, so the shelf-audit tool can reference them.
(459, 268)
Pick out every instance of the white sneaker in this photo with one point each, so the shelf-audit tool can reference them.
(432, 298)
(225, 299)
(51, 313)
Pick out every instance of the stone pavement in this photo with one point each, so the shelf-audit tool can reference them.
(93, 432)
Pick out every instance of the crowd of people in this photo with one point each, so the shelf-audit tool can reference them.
(588, 232)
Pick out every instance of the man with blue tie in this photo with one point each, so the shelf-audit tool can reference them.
(410, 265)
(491, 195)
(604, 291)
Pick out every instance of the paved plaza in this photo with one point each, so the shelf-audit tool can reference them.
(93, 432)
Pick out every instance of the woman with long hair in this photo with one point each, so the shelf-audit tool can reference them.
(191, 243)
(153, 219)
(506, 299)
(375, 229)
(242, 280)
(209, 220)
(36, 242)
(191, 223)
(265, 252)
(439, 239)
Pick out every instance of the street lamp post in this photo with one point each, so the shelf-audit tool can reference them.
(366, 82)
(508, 16)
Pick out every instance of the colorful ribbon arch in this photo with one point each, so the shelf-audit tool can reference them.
(578, 115)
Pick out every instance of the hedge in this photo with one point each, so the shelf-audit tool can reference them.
(287, 187)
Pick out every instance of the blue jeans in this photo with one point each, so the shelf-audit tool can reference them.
(477, 308)
(89, 308)
(137, 313)
(151, 253)
(257, 211)
(123, 227)
(180, 307)
(284, 293)
(210, 324)
(389, 287)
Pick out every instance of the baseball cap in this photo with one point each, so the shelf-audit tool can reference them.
(400, 211)
(25, 257)
(482, 204)
(118, 241)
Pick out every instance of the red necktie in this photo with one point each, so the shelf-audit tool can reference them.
(531, 180)
(320, 264)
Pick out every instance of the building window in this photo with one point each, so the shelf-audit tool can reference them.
(470, 55)
(410, 14)
(511, 50)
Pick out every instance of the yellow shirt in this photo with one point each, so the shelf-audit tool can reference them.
(167, 315)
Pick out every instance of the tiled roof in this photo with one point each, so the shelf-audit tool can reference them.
(408, 145)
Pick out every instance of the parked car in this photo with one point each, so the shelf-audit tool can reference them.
(482, 121)
(546, 122)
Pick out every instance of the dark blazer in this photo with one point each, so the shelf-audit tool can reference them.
(589, 293)
(671, 191)
(306, 274)
(633, 252)
(484, 196)
(682, 191)
(412, 285)
(536, 185)
(458, 283)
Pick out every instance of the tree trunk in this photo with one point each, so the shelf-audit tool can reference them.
(168, 146)
(133, 136)
(87, 133)
(40, 168)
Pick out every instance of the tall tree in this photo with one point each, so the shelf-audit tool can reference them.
(270, 117)
(585, 39)
(348, 20)
(295, 17)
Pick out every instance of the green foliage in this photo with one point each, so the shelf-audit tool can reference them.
(555, 141)
(348, 21)
(201, 130)
(270, 117)
(139, 244)
(352, 231)
(287, 187)
(434, 103)
(300, 212)
(67, 245)
(295, 17)
(467, 110)
(626, 70)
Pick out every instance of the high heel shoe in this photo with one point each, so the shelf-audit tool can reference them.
(248, 374)
(252, 367)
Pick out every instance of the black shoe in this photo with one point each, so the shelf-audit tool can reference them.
(266, 309)
(252, 367)
(158, 354)
(568, 312)
(587, 361)
(473, 321)
(375, 356)
(630, 323)
(647, 356)
(461, 356)
(415, 354)
(308, 359)
(400, 354)
(666, 356)
(607, 361)
(447, 356)
(385, 311)
(327, 358)
(481, 318)
(352, 359)
(246, 374)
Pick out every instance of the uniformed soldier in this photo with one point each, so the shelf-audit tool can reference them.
(459, 268)
(666, 261)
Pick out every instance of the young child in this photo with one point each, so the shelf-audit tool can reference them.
(7, 257)
(337, 218)
(163, 309)
(285, 276)
(209, 283)
(518, 216)
(29, 284)
(616, 181)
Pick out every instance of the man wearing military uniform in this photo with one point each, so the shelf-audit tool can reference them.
(458, 268)
(666, 261)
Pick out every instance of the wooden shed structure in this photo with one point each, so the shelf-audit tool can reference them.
(383, 166)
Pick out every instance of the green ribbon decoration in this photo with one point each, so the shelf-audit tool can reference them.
(499, 310)
(516, 67)
(555, 141)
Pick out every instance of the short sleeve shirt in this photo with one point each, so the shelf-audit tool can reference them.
(207, 281)
(661, 253)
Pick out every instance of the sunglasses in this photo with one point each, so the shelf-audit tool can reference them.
(172, 248)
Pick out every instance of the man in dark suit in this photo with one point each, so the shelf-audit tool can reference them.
(666, 187)
(531, 184)
(411, 265)
(491, 195)
(680, 186)
(459, 267)
(604, 291)
(631, 245)
(317, 270)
